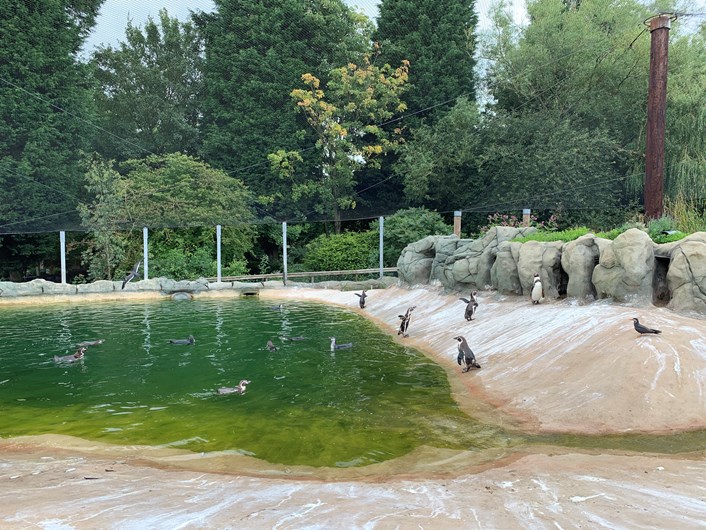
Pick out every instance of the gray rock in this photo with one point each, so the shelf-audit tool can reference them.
(578, 259)
(503, 274)
(470, 266)
(415, 263)
(686, 277)
(99, 286)
(543, 258)
(626, 268)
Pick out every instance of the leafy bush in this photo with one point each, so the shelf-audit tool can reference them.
(349, 250)
(407, 226)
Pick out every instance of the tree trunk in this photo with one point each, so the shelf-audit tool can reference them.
(337, 220)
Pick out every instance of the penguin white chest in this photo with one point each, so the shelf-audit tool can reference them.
(537, 292)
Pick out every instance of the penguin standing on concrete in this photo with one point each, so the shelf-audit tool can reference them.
(465, 355)
(644, 329)
(362, 297)
(471, 306)
(537, 290)
(406, 319)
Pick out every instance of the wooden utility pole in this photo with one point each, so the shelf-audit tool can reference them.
(656, 112)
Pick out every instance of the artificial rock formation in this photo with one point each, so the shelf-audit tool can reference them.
(631, 268)
(626, 267)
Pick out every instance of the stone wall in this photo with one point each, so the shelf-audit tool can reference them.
(631, 268)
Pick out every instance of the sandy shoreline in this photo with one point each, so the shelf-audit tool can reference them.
(558, 367)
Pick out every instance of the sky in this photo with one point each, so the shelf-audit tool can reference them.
(114, 14)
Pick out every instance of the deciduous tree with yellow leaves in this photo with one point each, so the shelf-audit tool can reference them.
(349, 119)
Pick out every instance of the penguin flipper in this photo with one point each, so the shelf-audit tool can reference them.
(464, 300)
(460, 358)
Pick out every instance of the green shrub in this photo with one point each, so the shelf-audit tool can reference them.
(349, 250)
(656, 227)
(669, 238)
(407, 226)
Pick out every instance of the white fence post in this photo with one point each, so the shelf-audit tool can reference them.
(382, 231)
(284, 252)
(144, 253)
(218, 253)
(62, 245)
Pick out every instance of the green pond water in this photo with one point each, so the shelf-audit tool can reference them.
(306, 405)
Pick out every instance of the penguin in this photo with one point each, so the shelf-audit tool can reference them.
(362, 297)
(465, 355)
(406, 319)
(292, 338)
(471, 306)
(271, 346)
(87, 343)
(188, 341)
(131, 274)
(335, 346)
(644, 329)
(240, 389)
(71, 358)
(537, 291)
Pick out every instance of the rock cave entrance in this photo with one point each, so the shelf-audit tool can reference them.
(661, 295)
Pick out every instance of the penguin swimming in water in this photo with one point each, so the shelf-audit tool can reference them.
(644, 329)
(406, 319)
(537, 291)
(240, 389)
(187, 341)
(362, 298)
(87, 343)
(71, 358)
(471, 306)
(335, 346)
(271, 346)
(132, 274)
(465, 355)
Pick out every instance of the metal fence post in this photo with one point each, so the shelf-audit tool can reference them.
(62, 244)
(144, 253)
(218, 253)
(284, 252)
(382, 231)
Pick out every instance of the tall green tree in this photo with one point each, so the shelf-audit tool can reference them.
(588, 61)
(102, 217)
(45, 111)
(255, 53)
(438, 164)
(345, 118)
(685, 156)
(149, 96)
(437, 38)
(180, 199)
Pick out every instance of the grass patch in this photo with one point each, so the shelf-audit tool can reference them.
(563, 235)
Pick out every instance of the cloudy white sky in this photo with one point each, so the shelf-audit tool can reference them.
(114, 14)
